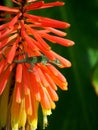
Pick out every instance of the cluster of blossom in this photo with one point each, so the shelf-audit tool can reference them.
(29, 81)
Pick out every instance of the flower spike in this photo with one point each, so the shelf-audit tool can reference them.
(29, 77)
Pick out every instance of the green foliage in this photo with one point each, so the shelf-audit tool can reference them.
(95, 79)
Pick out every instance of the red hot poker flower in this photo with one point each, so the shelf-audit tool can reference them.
(28, 78)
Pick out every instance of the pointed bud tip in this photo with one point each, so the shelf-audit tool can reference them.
(65, 86)
(70, 43)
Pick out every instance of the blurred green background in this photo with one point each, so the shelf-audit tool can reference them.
(77, 108)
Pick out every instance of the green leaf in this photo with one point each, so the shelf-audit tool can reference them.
(95, 79)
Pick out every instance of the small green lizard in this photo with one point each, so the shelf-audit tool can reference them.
(36, 59)
(33, 60)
